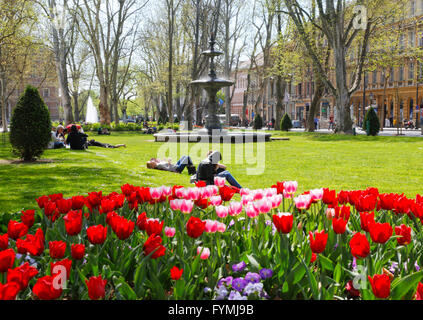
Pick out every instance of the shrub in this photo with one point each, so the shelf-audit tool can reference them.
(30, 126)
(286, 123)
(258, 122)
(371, 123)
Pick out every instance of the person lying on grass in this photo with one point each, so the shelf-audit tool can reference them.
(184, 162)
(210, 168)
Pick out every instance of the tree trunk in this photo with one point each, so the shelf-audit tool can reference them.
(280, 96)
(315, 104)
(76, 106)
(104, 105)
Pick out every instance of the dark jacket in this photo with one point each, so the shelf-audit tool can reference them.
(207, 168)
(77, 140)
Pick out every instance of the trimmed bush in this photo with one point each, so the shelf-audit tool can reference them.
(286, 123)
(258, 122)
(371, 123)
(30, 126)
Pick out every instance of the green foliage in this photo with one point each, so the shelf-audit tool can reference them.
(258, 122)
(286, 123)
(30, 126)
(371, 123)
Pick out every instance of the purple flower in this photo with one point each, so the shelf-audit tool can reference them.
(207, 290)
(239, 284)
(239, 267)
(393, 267)
(252, 277)
(354, 263)
(266, 273)
(417, 266)
(235, 295)
(268, 223)
(231, 223)
(336, 246)
(225, 281)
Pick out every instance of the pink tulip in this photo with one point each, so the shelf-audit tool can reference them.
(156, 193)
(251, 211)
(290, 186)
(222, 211)
(270, 192)
(211, 226)
(258, 194)
(221, 227)
(246, 199)
(193, 193)
(214, 190)
(330, 213)
(276, 200)
(187, 206)
(316, 194)
(205, 193)
(263, 206)
(244, 192)
(216, 201)
(203, 252)
(167, 191)
(175, 204)
(170, 232)
(220, 182)
(181, 193)
(235, 208)
(302, 202)
(287, 195)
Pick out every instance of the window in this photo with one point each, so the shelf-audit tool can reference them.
(300, 89)
(391, 75)
(374, 76)
(401, 73)
(411, 71)
(411, 38)
(46, 93)
(401, 41)
(412, 8)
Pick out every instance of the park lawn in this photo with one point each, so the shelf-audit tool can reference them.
(392, 164)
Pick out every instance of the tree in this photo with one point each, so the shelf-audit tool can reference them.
(371, 123)
(342, 24)
(30, 127)
(286, 123)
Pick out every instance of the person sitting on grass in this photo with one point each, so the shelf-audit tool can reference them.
(57, 138)
(210, 168)
(93, 143)
(103, 131)
(184, 162)
(77, 140)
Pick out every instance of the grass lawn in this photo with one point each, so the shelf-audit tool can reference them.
(392, 164)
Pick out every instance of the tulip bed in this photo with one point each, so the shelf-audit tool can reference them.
(215, 242)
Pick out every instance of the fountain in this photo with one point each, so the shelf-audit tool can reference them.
(92, 115)
(213, 131)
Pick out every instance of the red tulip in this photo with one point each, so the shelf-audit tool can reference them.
(366, 203)
(366, 219)
(405, 233)
(64, 205)
(142, 221)
(93, 200)
(9, 291)
(22, 275)
(42, 201)
(96, 288)
(200, 184)
(380, 232)
(50, 208)
(360, 247)
(176, 273)
(4, 241)
(32, 244)
(127, 189)
(107, 205)
(97, 234)
(55, 197)
(329, 198)
(279, 186)
(16, 229)
(195, 227)
(381, 285)
(44, 289)
(318, 242)
(343, 197)
(122, 227)
(57, 249)
(78, 202)
(313, 257)
(283, 222)
(78, 251)
(339, 225)
(419, 294)
(153, 243)
(28, 218)
(73, 222)
(154, 226)
(353, 292)
(7, 258)
(226, 193)
(55, 267)
(343, 212)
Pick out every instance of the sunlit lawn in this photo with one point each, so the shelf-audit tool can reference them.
(393, 164)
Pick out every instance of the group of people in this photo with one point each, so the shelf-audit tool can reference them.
(207, 170)
(75, 138)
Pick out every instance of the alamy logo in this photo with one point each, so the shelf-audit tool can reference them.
(360, 278)
(360, 20)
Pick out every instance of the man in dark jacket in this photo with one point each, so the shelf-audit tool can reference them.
(210, 168)
(77, 140)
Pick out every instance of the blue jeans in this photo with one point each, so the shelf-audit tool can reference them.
(59, 145)
(183, 162)
(229, 178)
